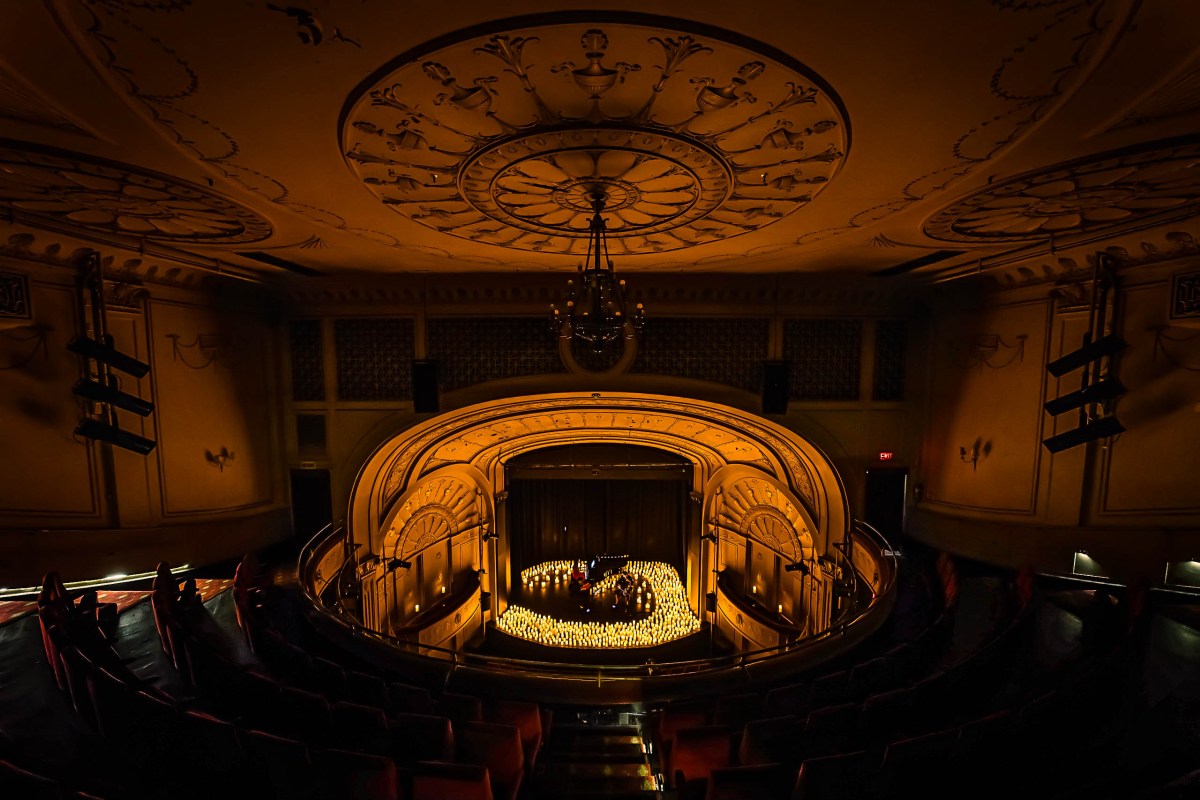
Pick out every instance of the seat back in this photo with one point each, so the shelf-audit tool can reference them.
(698, 751)
(498, 747)
(439, 780)
(417, 737)
(355, 776)
(281, 765)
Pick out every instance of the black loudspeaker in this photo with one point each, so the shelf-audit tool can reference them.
(425, 386)
(775, 387)
(710, 602)
(485, 601)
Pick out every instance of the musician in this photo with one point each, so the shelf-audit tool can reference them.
(622, 592)
(579, 585)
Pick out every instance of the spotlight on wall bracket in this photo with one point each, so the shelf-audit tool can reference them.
(93, 390)
(798, 566)
(709, 537)
(489, 535)
(105, 353)
(94, 429)
(398, 563)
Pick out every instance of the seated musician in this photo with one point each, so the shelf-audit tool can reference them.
(579, 585)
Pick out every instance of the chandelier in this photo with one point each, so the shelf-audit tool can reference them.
(596, 309)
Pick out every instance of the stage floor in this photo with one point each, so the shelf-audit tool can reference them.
(546, 621)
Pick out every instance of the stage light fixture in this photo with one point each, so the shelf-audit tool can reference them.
(709, 537)
(1098, 392)
(1104, 346)
(93, 390)
(94, 429)
(1096, 429)
(489, 535)
(398, 563)
(798, 566)
(107, 354)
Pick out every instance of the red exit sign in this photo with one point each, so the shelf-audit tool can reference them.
(886, 455)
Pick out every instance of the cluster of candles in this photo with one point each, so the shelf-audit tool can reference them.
(658, 591)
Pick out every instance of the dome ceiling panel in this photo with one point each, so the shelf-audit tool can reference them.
(383, 137)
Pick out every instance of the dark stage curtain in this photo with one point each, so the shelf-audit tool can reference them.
(565, 519)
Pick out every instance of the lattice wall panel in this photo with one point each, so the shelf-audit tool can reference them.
(724, 350)
(374, 358)
(472, 350)
(891, 349)
(824, 356)
(308, 366)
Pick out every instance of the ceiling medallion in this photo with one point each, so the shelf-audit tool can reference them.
(1077, 196)
(503, 138)
(110, 197)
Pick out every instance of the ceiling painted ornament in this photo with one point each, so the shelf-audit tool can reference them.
(1077, 196)
(110, 197)
(501, 138)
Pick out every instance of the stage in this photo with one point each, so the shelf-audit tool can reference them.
(547, 621)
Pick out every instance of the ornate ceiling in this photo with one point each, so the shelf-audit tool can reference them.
(382, 137)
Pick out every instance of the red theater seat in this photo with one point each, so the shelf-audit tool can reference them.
(772, 741)
(697, 752)
(839, 777)
(437, 780)
(750, 783)
(527, 717)
(355, 776)
(417, 737)
(497, 747)
(281, 767)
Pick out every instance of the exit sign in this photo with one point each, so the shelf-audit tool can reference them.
(886, 455)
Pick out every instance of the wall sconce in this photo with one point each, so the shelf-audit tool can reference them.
(978, 449)
(220, 459)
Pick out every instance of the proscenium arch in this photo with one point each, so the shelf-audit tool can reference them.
(483, 437)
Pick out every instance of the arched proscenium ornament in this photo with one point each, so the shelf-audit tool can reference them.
(503, 137)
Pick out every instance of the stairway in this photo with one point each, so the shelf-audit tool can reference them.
(595, 756)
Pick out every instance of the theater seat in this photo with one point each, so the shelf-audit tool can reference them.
(280, 766)
(405, 699)
(418, 737)
(838, 777)
(497, 747)
(528, 719)
(355, 776)
(440, 780)
(697, 752)
(750, 783)
(360, 728)
(460, 707)
(772, 741)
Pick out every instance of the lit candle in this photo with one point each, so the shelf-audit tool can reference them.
(781, 608)
(416, 608)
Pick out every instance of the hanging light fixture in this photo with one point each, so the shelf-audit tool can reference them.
(596, 309)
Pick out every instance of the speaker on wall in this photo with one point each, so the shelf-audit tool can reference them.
(775, 387)
(710, 602)
(425, 386)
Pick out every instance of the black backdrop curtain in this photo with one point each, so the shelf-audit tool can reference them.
(552, 519)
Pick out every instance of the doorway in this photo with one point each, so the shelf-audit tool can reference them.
(312, 503)
(883, 507)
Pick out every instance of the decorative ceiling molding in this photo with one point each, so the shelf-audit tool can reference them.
(1173, 245)
(1029, 89)
(1078, 196)
(503, 138)
(135, 270)
(113, 198)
